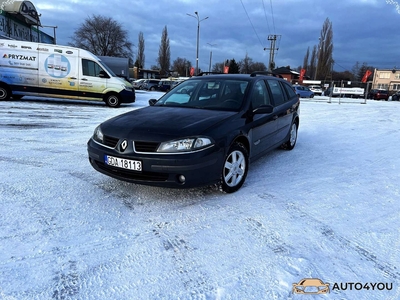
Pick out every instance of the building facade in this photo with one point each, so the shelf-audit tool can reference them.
(19, 20)
(386, 79)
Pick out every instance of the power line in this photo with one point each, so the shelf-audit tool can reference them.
(266, 18)
(273, 19)
(251, 24)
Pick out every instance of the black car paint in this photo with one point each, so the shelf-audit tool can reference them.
(258, 131)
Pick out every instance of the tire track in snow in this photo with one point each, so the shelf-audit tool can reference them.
(385, 268)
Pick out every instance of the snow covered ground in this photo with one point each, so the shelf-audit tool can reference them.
(329, 209)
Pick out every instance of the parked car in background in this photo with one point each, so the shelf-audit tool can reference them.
(165, 85)
(205, 131)
(176, 82)
(303, 91)
(316, 89)
(396, 96)
(137, 84)
(378, 94)
(150, 84)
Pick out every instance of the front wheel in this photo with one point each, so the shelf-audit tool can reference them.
(235, 168)
(289, 145)
(112, 100)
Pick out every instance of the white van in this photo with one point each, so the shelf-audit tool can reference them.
(33, 69)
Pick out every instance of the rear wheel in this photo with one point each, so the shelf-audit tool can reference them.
(291, 142)
(235, 168)
(4, 92)
(112, 100)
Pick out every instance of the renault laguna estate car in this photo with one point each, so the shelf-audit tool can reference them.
(205, 131)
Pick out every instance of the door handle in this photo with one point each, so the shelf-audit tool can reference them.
(72, 78)
(85, 79)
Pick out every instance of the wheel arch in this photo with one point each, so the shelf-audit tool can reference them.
(6, 89)
(243, 140)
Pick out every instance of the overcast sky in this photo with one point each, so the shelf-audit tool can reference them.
(363, 30)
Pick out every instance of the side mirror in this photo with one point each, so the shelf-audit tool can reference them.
(152, 102)
(103, 74)
(263, 109)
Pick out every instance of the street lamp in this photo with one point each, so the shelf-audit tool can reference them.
(212, 45)
(198, 33)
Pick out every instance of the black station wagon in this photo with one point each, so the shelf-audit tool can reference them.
(204, 131)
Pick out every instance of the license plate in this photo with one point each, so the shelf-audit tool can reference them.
(127, 164)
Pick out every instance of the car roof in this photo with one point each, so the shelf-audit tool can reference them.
(247, 77)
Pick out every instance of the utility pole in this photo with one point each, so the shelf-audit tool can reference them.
(272, 38)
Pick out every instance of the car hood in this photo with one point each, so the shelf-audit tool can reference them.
(160, 123)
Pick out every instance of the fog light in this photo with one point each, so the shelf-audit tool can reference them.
(181, 179)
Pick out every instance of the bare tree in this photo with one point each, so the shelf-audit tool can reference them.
(102, 36)
(245, 64)
(248, 66)
(313, 62)
(325, 51)
(140, 59)
(305, 61)
(164, 53)
(181, 66)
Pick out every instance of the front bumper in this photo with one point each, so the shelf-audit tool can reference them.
(128, 96)
(166, 170)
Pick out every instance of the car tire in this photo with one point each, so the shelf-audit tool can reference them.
(291, 142)
(5, 93)
(112, 100)
(312, 96)
(152, 88)
(235, 168)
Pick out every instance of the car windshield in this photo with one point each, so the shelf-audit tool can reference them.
(218, 94)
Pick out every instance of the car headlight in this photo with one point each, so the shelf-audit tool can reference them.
(98, 135)
(126, 87)
(185, 145)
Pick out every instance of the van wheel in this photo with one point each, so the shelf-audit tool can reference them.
(4, 92)
(112, 100)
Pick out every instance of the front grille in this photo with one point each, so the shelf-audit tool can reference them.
(132, 175)
(110, 141)
(146, 146)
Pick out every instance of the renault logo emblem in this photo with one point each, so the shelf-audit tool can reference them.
(123, 145)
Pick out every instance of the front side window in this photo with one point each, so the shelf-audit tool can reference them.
(260, 95)
(91, 68)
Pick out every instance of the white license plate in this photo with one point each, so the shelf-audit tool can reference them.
(128, 164)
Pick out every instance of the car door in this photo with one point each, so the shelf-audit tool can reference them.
(91, 82)
(283, 98)
(264, 125)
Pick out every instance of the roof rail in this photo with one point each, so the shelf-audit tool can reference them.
(208, 73)
(265, 73)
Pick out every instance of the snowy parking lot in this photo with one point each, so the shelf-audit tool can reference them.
(329, 209)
